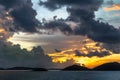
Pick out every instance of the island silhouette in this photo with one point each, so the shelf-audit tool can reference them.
(24, 68)
(113, 66)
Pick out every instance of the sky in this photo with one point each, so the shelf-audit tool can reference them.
(111, 17)
(60, 32)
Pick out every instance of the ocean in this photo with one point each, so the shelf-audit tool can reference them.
(60, 75)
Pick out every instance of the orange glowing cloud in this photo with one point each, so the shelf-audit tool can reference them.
(5, 35)
(9, 39)
(2, 31)
(85, 55)
(115, 7)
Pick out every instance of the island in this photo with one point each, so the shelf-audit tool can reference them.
(75, 68)
(27, 68)
(114, 66)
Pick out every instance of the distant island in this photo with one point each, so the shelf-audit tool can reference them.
(25, 68)
(75, 68)
(114, 66)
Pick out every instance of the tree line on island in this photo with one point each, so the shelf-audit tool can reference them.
(113, 66)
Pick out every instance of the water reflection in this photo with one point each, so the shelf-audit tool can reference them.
(59, 75)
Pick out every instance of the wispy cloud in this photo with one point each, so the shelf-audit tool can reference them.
(115, 7)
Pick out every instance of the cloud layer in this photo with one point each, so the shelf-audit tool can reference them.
(22, 13)
(18, 15)
(11, 56)
(115, 7)
(82, 12)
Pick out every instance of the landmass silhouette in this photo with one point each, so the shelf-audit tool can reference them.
(113, 66)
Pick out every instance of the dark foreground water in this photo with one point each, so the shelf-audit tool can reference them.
(60, 75)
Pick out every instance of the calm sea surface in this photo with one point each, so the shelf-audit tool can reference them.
(60, 75)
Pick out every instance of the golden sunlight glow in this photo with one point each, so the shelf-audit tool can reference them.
(9, 39)
(115, 7)
(5, 35)
(23, 44)
(2, 31)
(88, 46)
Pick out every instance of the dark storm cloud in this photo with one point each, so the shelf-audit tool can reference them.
(77, 53)
(25, 18)
(82, 11)
(102, 54)
(92, 54)
(99, 31)
(22, 13)
(58, 24)
(13, 55)
(11, 3)
(115, 48)
(56, 4)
